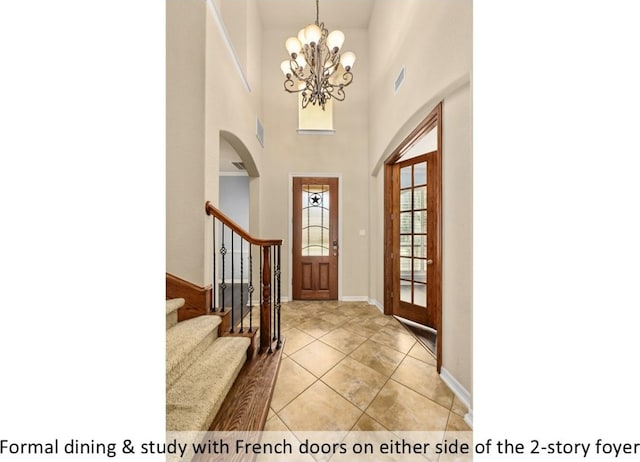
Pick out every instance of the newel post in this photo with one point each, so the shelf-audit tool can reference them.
(265, 308)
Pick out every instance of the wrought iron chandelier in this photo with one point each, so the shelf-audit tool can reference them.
(316, 68)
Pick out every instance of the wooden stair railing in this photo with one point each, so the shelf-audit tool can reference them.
(235, 279)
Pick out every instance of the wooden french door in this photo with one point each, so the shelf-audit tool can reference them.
(416, 217)
(315, 239)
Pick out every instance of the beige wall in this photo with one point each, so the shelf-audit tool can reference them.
(433, 40)
(205, 95)
(186, 29)
(457, 241)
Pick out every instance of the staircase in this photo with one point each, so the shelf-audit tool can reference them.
(222, 364)
(201, 369)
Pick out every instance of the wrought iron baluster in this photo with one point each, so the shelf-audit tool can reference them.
(250, 289)
(241, 284)
(273, 291)
(233, 281)
(223, 284)
(278, 299)
(215, 275)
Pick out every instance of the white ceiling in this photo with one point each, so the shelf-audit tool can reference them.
(295, 14)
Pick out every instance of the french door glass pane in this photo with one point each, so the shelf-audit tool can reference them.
(420, 174)
(419, 245)
(405, 200)
(315, 220)
(419, 270)
(405, 246)
(405, 177)
(405, 222)
(420, 222)
(420, 198)
(420, 294)
(405, 291)
(405, 268)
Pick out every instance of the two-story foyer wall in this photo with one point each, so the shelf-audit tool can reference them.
(205, 96)
(433, 40)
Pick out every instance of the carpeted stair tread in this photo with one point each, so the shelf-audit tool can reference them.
(186, 341)
(195, 398)
(172, 311)
(174, 303)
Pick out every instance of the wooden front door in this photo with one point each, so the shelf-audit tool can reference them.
(416, 217)
(315, 238)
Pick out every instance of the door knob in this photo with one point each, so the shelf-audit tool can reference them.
(429, 262)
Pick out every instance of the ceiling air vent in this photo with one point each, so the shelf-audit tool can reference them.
(399, 80)
(239, 166)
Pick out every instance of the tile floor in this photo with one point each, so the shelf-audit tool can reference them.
(347, 367)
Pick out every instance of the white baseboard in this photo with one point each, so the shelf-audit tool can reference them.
(461, 392)
(257, 302)
(468, 418)
(377, 304)
(354, 298)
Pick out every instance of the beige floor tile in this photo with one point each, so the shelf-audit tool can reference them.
(420, 352)
(354, 381)
(343, 340)
(317, 327)
(317, 358)
(287, 323)
(395, 339)
(352, 310)
(336, 318)
(320, 408)
(363, 325)
(377, 356)
(457, 424)
(458, 407)
(292, 380)
(424, 379)
(400, 408)
(296, 339)
(275, 424)
(366, 423)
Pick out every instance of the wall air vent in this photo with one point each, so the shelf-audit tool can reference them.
(239, 166)
(399, 80)
(260, 132)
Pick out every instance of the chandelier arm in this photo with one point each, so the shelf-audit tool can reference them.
(290, 86)
(336, 92)
(296, 69)
(348, 78)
